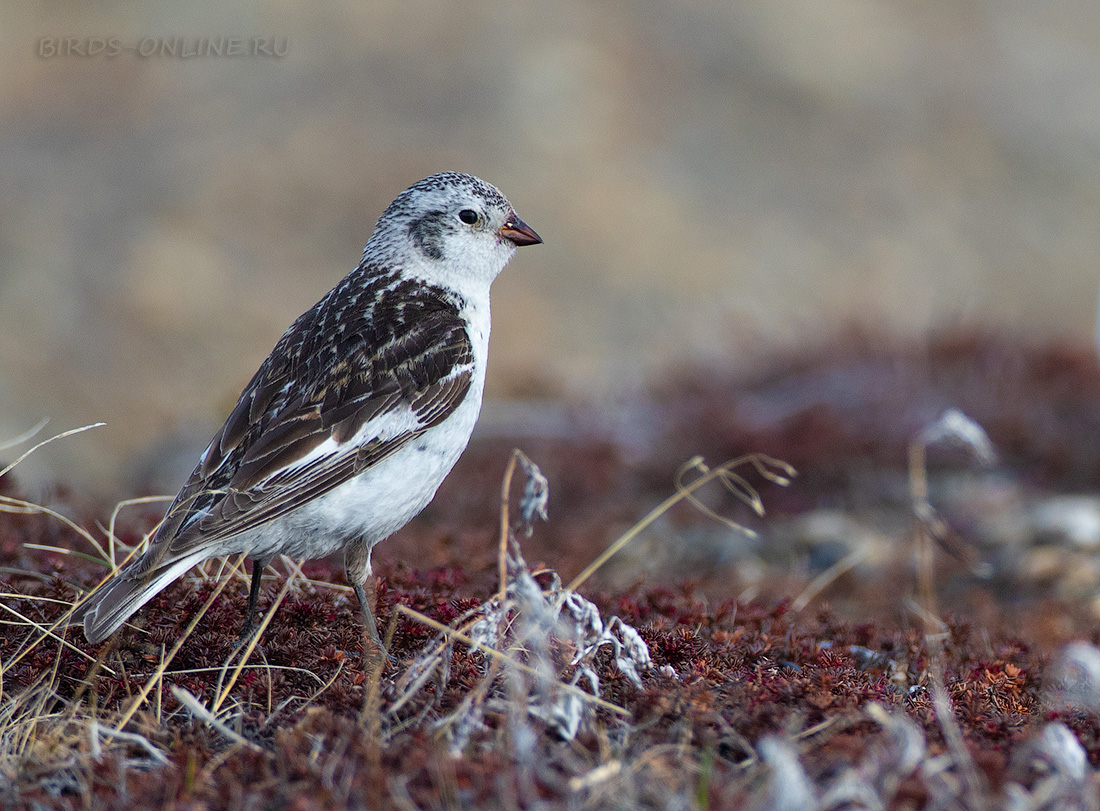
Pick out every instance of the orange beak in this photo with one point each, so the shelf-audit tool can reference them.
(518, 232)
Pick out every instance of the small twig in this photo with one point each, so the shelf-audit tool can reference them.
(303, 671)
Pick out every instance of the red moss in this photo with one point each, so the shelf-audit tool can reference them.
(742, 669)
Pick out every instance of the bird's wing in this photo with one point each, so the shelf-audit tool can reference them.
(347, 386)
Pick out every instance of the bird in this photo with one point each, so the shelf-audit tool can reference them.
(350, 425)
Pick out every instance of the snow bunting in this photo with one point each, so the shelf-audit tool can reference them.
(363, 407)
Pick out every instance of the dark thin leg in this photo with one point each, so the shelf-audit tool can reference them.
(253, 595)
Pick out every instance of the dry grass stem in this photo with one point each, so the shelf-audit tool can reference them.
(158, 674)
(254, 639)
(71, 432)
(773, 470)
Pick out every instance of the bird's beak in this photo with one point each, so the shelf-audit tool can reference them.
(518, 232)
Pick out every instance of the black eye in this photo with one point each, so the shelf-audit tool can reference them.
(468, 216)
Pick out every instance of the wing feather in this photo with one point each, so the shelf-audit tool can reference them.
(397, 367)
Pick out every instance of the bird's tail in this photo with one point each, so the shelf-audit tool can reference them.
(117, 600)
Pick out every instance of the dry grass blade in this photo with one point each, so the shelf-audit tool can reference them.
(417, 674)
(61, 550)
(62, 435)
(255, 639)
(163, 666)
(735, 484)
(295, 567)
(110, 530)
(47, 633)
(822, 581)
(199, 711)
(96, 729)
(975, 788)
(320, 690)
(25, 716)
(26, 436)
(773, 470)
(16, 505)
(290, 669)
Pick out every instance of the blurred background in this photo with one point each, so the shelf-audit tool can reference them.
(713, 181)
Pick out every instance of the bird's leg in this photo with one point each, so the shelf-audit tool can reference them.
(369, 625)
(357, 569)
(258, 567)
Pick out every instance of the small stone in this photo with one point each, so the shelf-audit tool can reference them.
(1068, 521)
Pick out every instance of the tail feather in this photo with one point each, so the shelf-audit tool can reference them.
(122, 596)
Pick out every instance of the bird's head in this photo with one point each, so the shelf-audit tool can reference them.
(452, 225)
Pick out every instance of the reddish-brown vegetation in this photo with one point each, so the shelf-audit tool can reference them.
(740, 649)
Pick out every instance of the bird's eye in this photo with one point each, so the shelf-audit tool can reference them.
(468, 216)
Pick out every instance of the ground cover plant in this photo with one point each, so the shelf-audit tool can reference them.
(910, 624)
